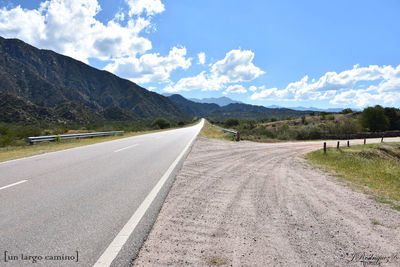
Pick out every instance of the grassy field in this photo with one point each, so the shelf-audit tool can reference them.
(373, 168)
(214, 132)
(10, 153)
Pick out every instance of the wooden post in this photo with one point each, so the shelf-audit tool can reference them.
(365, 141)
(338, 144)
(348, 143)
(324, 147)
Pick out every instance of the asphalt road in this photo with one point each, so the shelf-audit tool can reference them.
(71, 205)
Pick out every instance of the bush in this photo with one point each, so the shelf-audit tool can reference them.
(309, 132)
(273, 119)
(161, 123)
(231, 122)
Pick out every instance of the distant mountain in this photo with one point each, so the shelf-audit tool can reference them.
(43, 83)
(233, 110)
(192, 108)
(310, 109)
(220, 101)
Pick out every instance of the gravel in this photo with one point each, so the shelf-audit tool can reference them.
(254, 204)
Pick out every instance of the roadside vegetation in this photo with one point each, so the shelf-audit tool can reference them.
(14, 134)
(13, 145)
(373, 168)
(214, 132)
(317, 125)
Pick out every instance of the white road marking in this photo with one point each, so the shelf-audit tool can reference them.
(125, 148)
(17, 183)
(116, 245)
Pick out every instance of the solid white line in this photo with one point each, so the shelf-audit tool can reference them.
(116, 245)
(17, 183)
(125, 148)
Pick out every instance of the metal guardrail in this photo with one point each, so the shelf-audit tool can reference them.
(235, 133)
(35, 139)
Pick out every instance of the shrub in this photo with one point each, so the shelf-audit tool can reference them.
(161, 123)
(273, 119)
(231, 122)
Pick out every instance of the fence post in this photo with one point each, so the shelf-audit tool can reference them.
(324, 147)
(348, 143)
(338, 144)
(365, 141)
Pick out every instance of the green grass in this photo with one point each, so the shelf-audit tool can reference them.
(10, 153)
(374, 168)
(214, 132)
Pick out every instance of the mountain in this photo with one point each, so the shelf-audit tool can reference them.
(220, 101)
(310, 109)
(192, 108)
(233, 110)
(44, 81)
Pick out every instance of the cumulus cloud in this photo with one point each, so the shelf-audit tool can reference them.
(237, 88)
(70, 27)
(150, 7)
(150, 67)
(201, 57)
(359, 86)
(237, 66)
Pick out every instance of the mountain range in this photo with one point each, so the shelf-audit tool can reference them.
(233, 110)
(310, 109)
(59, 88)
(40, 85)
(220, 101)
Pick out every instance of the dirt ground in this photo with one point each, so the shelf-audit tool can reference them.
(253, 204)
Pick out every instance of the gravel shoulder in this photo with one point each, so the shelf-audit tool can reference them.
(254, 204)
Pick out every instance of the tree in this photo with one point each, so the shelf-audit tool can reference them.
(374, 119)
(161, 123)
(393, 115)
(346, 111)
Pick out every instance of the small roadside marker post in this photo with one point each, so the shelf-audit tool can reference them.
(348, 143)
(338, 144)
(365, 141)
(324, 147)
(382, 140)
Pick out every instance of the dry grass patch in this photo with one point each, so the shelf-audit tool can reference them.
(373, 168)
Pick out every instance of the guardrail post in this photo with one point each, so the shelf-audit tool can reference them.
(338, 144)
(348, 143)
(324, 147)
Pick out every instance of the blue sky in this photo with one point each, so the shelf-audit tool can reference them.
(288, 53)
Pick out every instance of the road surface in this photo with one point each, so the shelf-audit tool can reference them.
(254, 204)
(79, 207)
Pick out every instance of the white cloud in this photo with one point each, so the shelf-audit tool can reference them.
(150, 7)
(359, 86)
(150, 67)
(201, 58)
(253, 88)
(199, 82)
(237, 88)
(70, 27)
(237, 66)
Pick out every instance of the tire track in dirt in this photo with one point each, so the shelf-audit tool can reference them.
(252, 204)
